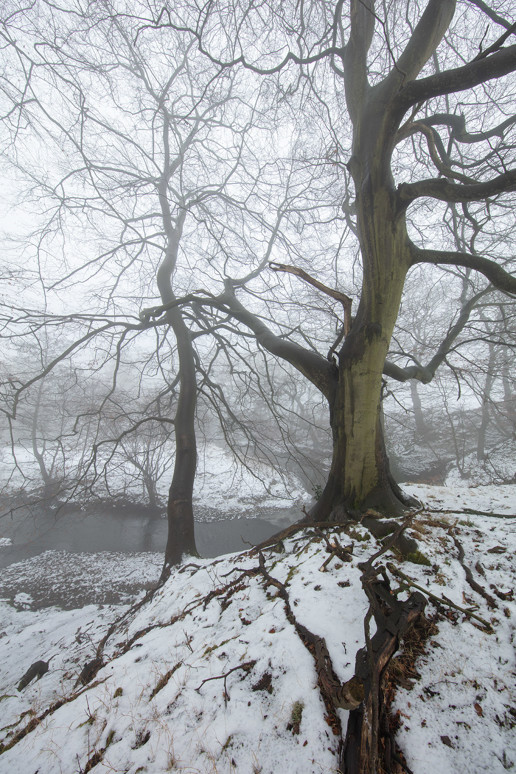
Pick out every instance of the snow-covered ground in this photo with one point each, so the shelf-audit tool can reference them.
(210, 675)
(223, 483)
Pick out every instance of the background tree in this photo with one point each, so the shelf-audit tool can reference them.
(142, 150)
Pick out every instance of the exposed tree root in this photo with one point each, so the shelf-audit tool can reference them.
(369, 747)
(34, 723)
(333, 693)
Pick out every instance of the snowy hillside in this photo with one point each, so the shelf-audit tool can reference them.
(218, 670)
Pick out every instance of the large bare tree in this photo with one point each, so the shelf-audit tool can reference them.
(400, 121)
(429, 128)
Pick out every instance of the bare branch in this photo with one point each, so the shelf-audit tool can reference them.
(452, 192)
(345, 300)
(472, 74)
(501, 279)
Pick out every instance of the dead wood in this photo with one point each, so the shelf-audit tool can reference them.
(471, 512)
(247, 666)
(369, 747)
(469, 575)
(440, 600)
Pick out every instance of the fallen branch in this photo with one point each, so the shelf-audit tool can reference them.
(246, 666)
(440, 600)
(469, 575)
(335, 550)
(471, 512)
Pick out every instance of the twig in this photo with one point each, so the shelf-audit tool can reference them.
(247, 666)
(440, 600)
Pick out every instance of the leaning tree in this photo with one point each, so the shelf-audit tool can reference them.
(429, 129)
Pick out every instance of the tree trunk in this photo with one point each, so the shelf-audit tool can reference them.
(421, 428)
(486, 403)
(181, 538)
(359, 477)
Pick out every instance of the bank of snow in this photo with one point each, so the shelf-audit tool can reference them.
(211, 676)
(231, 486)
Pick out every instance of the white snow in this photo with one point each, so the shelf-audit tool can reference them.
(223, 482)
(207, 675)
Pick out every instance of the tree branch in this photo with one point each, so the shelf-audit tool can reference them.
(457, 123)
(355, 55)
(452, 192)
(472, 74)
(345, 300)
(312, 365)
(423, 42)
(436, 149)
(425, 374)
(492, 14)
(501, 279)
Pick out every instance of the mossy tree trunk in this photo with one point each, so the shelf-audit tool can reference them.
(382, 114)
(359, 475)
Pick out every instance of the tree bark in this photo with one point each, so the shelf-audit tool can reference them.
(181, 538)
(359, 476)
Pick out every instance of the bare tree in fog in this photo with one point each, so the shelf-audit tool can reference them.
(401, 120)
(150, 183)
(429, 103)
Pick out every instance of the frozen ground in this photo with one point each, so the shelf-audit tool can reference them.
(211, 676)
(65, 580)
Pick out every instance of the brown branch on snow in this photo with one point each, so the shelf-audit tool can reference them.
(469, 575)
(247, 666)
(335, 550)
(472, 512)
(440, 600)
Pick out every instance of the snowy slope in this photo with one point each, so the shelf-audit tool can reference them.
(211, 675)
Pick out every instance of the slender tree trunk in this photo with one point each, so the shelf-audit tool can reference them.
(421, 428)
(509, 398)
(486, 402)
(46, 475)
(181, 538)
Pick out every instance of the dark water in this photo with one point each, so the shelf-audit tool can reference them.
(129, 530)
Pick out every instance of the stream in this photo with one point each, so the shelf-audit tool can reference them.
(130, 530)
